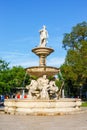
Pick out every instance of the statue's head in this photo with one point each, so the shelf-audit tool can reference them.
(44, 27)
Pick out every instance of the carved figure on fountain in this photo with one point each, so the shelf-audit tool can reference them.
(42, 88)
(33, 93)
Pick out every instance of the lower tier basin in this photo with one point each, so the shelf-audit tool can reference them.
(42, 107)
(39, 71)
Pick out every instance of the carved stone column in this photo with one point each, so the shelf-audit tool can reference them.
(42, 60)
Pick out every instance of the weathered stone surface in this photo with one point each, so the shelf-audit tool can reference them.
(42, 107)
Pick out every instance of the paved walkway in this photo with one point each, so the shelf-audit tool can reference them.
(66, 122)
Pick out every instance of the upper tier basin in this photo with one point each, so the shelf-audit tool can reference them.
(42, 51)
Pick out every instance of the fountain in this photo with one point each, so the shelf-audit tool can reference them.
(43, 97)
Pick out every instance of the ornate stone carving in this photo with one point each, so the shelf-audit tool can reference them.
(42, 88)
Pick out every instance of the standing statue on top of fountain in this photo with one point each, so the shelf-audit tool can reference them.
(43, 36)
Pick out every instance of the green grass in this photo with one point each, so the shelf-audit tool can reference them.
(84, 104)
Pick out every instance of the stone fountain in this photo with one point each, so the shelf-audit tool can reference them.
(42, 88)
(43, 93)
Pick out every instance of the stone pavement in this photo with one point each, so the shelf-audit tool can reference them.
(76, 121)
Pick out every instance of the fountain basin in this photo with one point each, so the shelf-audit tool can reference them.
(39, 71)
(42, 107)
(42, 51)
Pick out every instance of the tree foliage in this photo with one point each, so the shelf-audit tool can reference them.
(3, 65)
(73, 40)
(75, 67)
(11, 78)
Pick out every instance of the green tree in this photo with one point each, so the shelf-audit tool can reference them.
(11, 78)
(18, 78)
(4, 88)
(74, 69)
(73, 40)
(3, 65)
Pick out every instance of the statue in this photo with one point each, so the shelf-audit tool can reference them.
(43, 36)
(42, 88)
(43, 83)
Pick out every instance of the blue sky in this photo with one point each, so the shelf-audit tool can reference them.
(21, 20)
